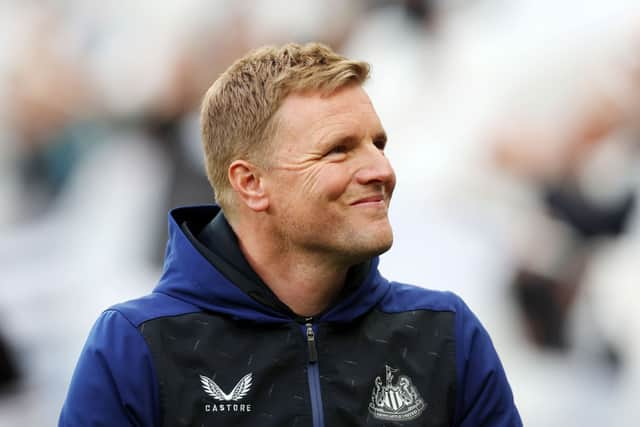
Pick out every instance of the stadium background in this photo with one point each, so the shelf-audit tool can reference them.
(514, 132)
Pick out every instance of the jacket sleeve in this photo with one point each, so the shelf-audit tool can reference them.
(484, 397)
(114, 382)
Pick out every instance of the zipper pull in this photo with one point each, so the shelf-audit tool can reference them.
(311, 343)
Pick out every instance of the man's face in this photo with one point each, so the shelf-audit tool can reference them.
(329, 181)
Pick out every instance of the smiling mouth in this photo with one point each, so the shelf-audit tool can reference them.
(369, 200)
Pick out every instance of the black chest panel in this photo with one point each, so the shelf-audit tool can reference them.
(226, 350)
(217, 371)
(416, 345)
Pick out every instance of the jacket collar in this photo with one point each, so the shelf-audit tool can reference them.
(205, 267)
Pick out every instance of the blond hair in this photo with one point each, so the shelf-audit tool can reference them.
(237, 116)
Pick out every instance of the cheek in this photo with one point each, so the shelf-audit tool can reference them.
(329, 182)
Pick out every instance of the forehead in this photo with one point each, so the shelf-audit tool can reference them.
(316, 116)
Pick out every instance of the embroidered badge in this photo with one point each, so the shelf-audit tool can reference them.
(395, 402)
(239, 391)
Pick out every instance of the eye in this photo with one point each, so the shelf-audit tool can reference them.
(338, 149)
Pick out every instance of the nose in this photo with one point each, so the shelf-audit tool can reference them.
(376, 168)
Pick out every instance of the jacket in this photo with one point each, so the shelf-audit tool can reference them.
(212, 346)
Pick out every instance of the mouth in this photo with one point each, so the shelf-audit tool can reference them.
(371, 200)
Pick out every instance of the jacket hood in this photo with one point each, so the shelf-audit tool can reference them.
(189, 276)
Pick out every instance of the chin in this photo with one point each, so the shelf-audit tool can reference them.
(373, 248)
(384, 247)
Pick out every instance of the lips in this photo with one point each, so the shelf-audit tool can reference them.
(370, 199)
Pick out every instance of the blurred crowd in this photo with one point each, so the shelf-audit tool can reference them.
(514, 130)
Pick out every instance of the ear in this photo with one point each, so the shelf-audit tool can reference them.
(246, 180)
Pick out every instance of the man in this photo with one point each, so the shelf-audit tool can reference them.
(270, 310)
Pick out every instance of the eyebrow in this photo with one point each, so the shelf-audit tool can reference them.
(380, 136)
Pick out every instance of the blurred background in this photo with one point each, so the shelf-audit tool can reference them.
(514, 130)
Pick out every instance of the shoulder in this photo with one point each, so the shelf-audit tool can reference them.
(466, 326)
(406, 297)
(150, 307)
(114, 382)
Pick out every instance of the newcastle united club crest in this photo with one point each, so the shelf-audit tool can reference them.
(395, 402)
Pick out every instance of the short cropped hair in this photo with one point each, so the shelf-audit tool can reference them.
(237, 117)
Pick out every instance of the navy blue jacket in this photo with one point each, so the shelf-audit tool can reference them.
(211, 346)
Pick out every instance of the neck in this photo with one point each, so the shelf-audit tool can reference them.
(306, 282)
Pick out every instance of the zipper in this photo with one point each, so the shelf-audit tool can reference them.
(311, 343)
(313, 374)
